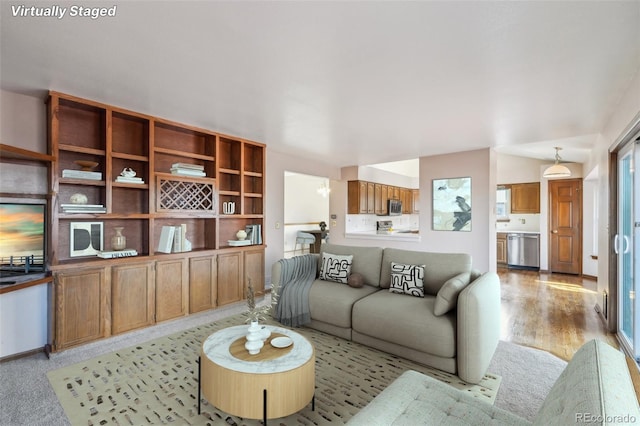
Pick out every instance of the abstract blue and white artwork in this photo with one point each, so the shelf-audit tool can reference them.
(452, 204)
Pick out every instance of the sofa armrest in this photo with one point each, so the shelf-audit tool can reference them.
(276, 272)
(478, 326)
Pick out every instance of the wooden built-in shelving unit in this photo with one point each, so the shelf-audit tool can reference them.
(98, 297)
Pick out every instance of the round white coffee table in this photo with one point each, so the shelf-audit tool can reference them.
(275, 383)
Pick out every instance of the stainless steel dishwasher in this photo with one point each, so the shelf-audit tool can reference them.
(523, 250)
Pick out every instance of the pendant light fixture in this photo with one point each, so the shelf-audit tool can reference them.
(557, 170)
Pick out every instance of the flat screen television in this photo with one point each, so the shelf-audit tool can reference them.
(22, 241)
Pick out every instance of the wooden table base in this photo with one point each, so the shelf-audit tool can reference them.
(257, 395)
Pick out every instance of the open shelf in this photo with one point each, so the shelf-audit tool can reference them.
(117, 139)
(8, 152)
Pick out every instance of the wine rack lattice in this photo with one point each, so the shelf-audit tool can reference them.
(184, 195)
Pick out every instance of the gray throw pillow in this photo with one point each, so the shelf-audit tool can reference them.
(447, 297)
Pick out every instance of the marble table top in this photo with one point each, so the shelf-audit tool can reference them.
(216, 348)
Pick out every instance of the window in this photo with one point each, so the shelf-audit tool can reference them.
(503, 203)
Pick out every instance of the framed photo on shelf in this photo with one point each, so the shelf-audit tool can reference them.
(451, 207)
(86, 238)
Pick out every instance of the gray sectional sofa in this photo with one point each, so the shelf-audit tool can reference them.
(455, 327)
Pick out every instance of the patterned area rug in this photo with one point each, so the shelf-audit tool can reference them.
(156, 382)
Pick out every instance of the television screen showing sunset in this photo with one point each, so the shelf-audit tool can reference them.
(21, 232)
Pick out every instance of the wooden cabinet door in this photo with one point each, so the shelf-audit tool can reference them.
(394, 192)
(254, 271)
(82, 311)
(415, 201)
(203, 278)
(172, 289)
(525, 198)
(370, 195)
(356, 197)
(377, 198)
(132, 296)
(230, 286)
(405, 197)
(501, 254)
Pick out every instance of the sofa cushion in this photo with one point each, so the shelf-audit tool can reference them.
(366, 260)
(407, 279)
(447, 297)
(335, 267)
(332, 302)
(595, 385)
(417, 399)
(406, 321)
(439, 266)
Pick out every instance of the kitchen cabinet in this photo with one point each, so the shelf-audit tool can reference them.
(381, 195)
(172, 289)
(132, 296)
(406, 196)
(415, 199)
(501, 254)
(82, 313)
(525, 198)
(371, 198)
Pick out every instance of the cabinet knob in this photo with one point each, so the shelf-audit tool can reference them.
(555, 231)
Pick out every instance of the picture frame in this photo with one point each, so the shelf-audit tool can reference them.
(85, 238)
(451, 204)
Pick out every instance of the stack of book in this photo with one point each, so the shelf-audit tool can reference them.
(117, 253)
(134, 179)
(254, 233)
(186, 169)
(83, 208)
(81, 174)
(173, 239)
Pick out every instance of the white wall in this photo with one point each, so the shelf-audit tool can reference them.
(625, 115)
(23, 124)
(590, 200)
(480, 165)
(23, 313)
(373, 174)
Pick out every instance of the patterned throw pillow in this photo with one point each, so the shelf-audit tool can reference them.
(407, 279)
(335, 267)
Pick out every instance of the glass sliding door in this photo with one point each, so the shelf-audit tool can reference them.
(627, 247)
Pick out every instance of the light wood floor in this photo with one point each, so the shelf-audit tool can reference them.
(552, 312)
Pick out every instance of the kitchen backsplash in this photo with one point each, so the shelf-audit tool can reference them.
(520, 222)
(367, 222)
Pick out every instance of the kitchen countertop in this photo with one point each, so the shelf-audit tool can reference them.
(518, 232)
(400, 235)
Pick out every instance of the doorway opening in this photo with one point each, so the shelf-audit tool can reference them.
(306, 206)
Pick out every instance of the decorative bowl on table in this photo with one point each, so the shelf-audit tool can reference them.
(86, 166)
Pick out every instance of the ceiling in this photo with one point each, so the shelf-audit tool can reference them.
(349, 83)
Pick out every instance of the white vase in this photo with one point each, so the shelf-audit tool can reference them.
(254, 338)
(264, 332)
(241, 234)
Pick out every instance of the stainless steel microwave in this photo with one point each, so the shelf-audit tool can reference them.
(394, 207)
